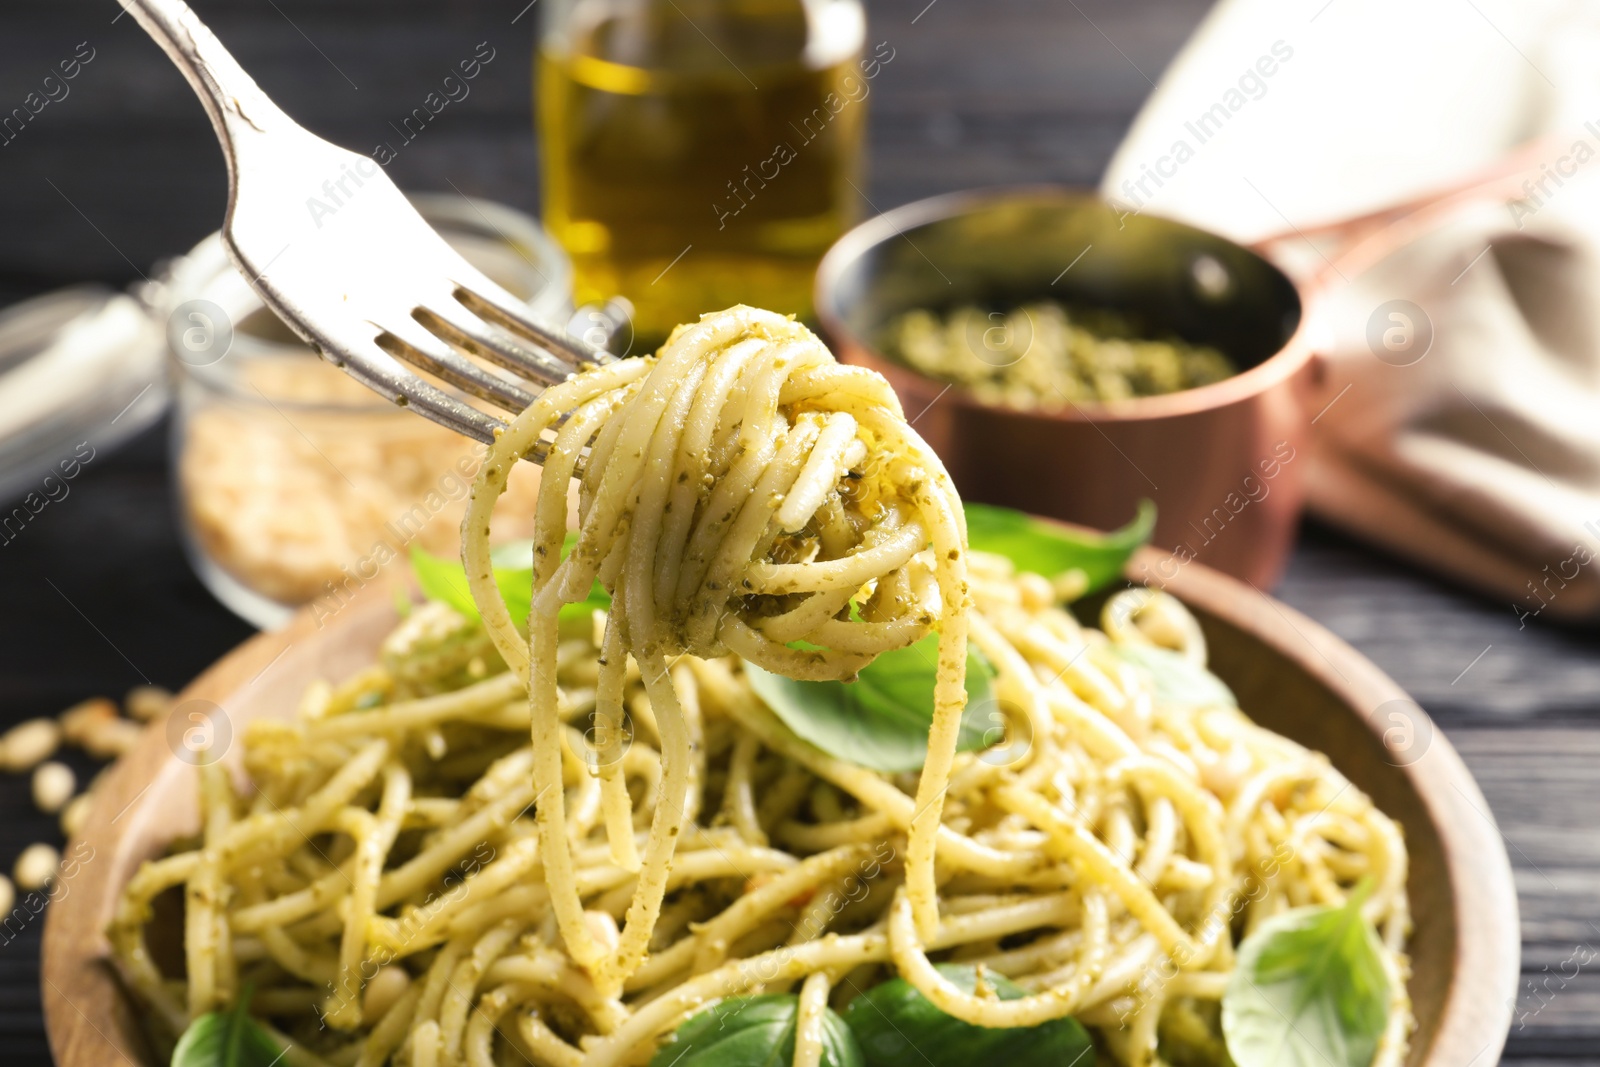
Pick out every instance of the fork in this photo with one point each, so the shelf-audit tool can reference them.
(334, 248)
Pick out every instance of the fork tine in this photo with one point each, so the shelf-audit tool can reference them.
(351, 287)
(495, 308)
(460, 327)
(422, 349)
(380, 372)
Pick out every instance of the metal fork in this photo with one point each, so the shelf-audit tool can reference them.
(336, 250)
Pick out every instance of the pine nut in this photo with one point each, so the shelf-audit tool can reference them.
(111, 739)
(36, 867)
(147, 702)
(53, 785)
(28, 744)
(8, 896)
(382, 992)
(603, 928)
(78, 721)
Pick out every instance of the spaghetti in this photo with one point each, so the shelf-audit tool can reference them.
(567, 899)
(741, 446)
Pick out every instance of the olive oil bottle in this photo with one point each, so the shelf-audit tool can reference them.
(701, 153)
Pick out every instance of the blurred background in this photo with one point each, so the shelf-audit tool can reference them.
(118, 575)
(1015, 96)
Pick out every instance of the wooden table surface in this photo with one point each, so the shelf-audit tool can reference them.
(123, 171)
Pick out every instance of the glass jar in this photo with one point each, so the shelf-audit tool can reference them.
(296, 484)
(701, 153)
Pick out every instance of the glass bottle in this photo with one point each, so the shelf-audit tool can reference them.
(700, 153)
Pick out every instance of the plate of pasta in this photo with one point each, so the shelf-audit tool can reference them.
(780, 754)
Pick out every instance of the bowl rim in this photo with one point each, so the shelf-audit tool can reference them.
(1287, 361)
(1479, 1002)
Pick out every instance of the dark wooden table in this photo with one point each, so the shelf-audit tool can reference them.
(123, 172)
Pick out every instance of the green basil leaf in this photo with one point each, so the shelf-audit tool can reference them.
(518, 555)
(1177, 679)
(881, 720)
(753, 1032)
(226, 1039)
(1308, 989)
(898, 1026)
(445, 580)
(583, 610)
(1049, 550)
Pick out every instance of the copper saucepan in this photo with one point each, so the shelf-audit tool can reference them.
(1225, 463)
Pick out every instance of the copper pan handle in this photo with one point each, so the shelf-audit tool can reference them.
(1345, 247)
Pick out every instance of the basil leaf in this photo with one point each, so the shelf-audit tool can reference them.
(230, 1039)
(515, 555)
(1177, 679)
(1308, 988)
(1049, 550)
(754, 1032)
(445, 580)
(896, 1026)
(881, 720)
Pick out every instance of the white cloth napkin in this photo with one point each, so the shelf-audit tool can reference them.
(1458, 421)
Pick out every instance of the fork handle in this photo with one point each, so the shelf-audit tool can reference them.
(237, 106)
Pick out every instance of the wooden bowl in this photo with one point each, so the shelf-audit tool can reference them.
(1290, 674)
